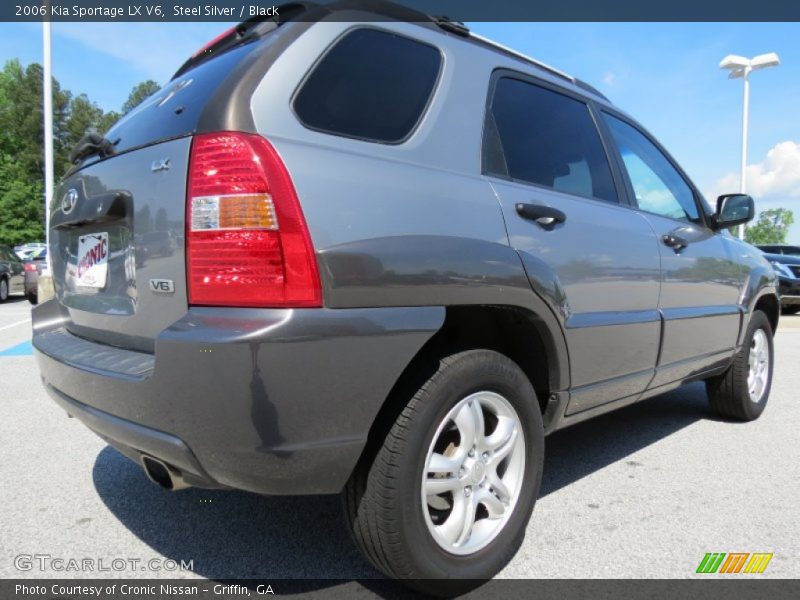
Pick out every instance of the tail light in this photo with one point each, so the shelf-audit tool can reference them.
(29, 266)
(247, 241)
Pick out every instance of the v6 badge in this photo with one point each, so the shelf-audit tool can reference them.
(162, 286)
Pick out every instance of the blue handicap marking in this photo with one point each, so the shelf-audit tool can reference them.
(23, 349)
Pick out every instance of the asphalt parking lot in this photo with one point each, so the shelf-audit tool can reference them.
(643, 492)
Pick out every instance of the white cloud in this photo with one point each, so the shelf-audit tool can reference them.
(156, 50)
(609, 78)
(775, 178)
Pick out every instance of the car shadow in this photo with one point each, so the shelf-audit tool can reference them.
(238, 535)
(15, 298)
(582, 449)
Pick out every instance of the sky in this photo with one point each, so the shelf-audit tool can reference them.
(665, 75)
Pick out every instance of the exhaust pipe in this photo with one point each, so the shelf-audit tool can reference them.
(163, 474)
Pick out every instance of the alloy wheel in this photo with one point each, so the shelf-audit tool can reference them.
(758, 361)
(473, 473)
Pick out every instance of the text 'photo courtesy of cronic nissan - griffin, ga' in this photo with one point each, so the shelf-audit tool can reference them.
(388, 278)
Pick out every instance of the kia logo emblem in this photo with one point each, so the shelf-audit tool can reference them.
(69, 200)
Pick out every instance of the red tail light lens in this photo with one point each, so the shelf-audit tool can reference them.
(247, 241)
(29, 267)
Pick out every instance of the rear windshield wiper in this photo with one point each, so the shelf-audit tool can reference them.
(92, 144)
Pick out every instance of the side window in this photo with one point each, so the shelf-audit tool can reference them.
(546, 138)
(659, 188)
(371, 85)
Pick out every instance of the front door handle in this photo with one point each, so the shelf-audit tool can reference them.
(545, 216)
(675, 242)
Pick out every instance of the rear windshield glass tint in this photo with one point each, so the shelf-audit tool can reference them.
(175, 110)
(371, 85)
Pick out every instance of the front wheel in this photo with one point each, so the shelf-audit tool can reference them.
(3, 290)
(742, 391)
(445, 501)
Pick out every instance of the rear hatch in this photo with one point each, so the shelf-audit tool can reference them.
(104, 254)
(118, 223)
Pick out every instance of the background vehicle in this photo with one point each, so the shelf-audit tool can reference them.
(780, 249)
(12, 278)
(24, 251)
(787, 267)
(33, 266)
(408, 255)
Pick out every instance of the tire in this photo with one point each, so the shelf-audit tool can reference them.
(3, 289)
(32, 298)
(393, 524)
(729, 394)
(791, 310)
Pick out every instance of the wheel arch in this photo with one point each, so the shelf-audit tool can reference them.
(518, 333)
(769, 304)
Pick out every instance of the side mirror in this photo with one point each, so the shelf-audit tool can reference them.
(734, 209)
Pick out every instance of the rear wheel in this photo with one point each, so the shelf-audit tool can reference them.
(743, 390)
(3, 290)
(445, 501)
(32, 298)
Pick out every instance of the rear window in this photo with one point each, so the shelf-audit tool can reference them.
(175, 110)
(371, 85)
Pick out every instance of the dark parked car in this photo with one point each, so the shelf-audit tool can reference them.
(408, 254)
(787, 267)
(12, 278)
(33, 269)
(780, 249)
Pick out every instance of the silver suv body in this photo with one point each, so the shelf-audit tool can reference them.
(474, 219)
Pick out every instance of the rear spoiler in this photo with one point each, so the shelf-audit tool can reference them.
(244, 32)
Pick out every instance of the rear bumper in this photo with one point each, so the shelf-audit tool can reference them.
(31, 282)
(789, 290)
(271, 401)
(135, 440)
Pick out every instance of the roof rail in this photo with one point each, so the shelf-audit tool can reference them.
(590, 88)
(524, 57)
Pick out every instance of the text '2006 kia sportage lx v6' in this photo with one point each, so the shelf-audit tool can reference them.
(399, 255)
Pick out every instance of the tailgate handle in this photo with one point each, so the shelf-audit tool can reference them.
(112, 206)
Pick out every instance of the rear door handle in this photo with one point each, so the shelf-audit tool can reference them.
(545, 216)
(675, 242)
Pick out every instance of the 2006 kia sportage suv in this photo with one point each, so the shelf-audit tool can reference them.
(399, 255)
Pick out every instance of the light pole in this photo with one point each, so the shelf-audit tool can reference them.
(45, 284)
(739, 66)
(48, 128)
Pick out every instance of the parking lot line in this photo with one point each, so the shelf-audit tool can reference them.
(15, 324)
(23, 349)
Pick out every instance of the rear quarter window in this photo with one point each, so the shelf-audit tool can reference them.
(371, 85)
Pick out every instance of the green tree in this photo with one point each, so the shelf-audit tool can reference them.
(138, 94)
(771, 228)
(21, 117)
(21, 133)
(21, 204)
(107, 120)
